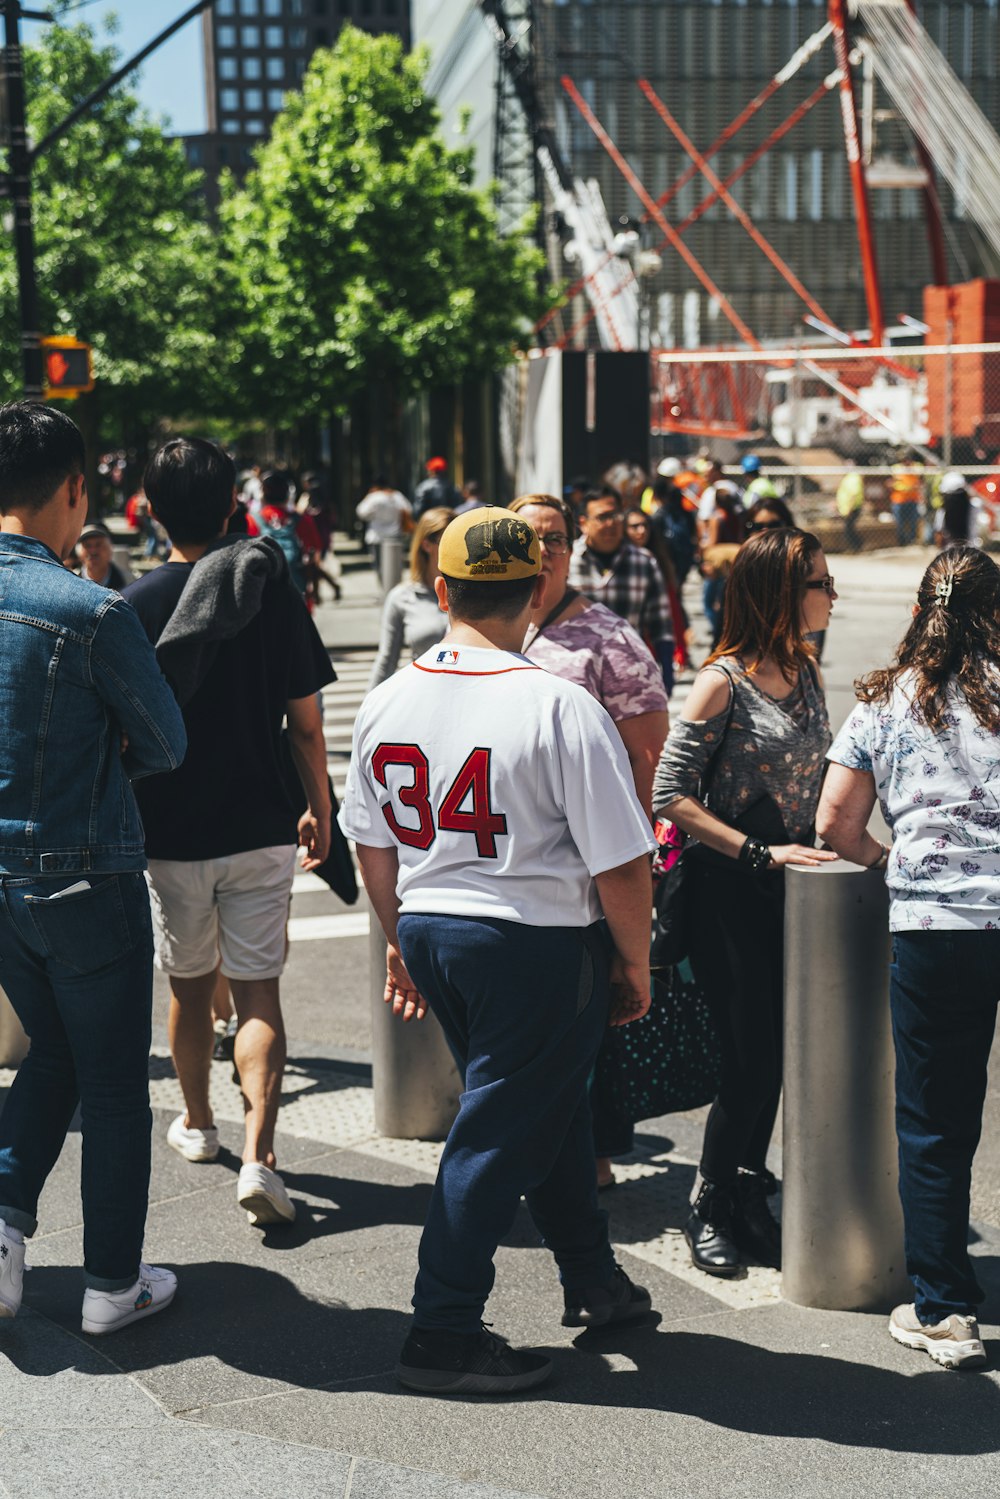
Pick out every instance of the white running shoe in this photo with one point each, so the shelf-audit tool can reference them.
(106, 1311)
(262, 1193)
(193, 1144)
(955, 1343)
(11, 1272)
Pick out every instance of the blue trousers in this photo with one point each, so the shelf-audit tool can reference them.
(525, 1008)
(79, 973)
(944, 989)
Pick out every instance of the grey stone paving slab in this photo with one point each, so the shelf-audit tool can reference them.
(380, 1481)
(50, 1378)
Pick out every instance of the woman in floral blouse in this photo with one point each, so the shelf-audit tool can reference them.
(925, 740)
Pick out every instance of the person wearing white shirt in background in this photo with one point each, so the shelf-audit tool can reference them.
(386, 514)
(471, 797)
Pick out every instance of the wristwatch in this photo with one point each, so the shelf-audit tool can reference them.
(756, 854)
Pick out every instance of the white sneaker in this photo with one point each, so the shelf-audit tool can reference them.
(955, 1343)
(193, 1144)
(106, 1311)
(262, 1193)
(11, 1273)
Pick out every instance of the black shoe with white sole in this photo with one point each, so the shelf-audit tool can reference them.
(437, 1362)
(599, 1306)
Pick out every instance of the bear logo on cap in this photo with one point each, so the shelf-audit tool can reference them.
(489, 543)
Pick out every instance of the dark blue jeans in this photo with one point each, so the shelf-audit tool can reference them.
(526, 1008)
(79, 973)
(943, 991)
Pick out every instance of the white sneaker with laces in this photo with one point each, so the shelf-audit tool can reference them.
(11, 1272)
(262, 1193)
(193, 1144)
(107, 1311)
(954, 1343)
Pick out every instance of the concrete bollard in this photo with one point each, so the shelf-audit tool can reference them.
(13, 1041)
(842, 1224)
(414, 1077)
(390, 562)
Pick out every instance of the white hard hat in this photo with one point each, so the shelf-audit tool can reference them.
(668, 468)
(952, 482)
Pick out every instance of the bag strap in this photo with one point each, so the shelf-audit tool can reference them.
(708, 775)
(569, 597)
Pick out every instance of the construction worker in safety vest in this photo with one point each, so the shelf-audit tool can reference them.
(906, 492)
(850, 502)
(757, 485)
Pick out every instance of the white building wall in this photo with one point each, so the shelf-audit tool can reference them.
(462, 74)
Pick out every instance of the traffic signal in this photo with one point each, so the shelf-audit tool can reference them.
(67, 368)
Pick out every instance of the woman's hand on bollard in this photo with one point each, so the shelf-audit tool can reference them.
(400, 990)
(798, 853)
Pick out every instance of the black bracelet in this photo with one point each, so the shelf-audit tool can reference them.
(756, 854)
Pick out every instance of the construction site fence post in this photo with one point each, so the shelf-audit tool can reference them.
(415, 1082)
(842, 1224)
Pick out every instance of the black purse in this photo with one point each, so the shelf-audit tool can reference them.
(337, 870)
(673, 894)
(666, 1062)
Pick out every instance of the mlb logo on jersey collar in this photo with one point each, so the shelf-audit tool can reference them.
(447, 658)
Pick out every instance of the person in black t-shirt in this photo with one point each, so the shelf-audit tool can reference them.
(237, 645)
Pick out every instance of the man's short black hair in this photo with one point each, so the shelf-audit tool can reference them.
(472, 600)
(40, 448)
(189, 483)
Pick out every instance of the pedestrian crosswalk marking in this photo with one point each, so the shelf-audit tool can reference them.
(322, 928)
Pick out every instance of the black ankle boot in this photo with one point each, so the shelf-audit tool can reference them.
(709, 1231)
(757, 1232)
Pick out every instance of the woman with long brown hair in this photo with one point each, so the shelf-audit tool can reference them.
(925, 738)
(756, 725)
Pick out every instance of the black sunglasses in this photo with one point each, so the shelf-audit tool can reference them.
(753, 526)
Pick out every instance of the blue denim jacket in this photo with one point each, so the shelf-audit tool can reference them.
(76, 674)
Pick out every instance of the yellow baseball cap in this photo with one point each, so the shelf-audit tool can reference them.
(491, 545)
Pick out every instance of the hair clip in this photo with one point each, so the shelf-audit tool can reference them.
(943, 588)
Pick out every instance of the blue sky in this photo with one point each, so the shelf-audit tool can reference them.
(171, 82)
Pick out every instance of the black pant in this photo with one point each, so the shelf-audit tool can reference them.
(737, 953)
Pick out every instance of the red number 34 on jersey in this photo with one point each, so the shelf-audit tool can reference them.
(472, 783)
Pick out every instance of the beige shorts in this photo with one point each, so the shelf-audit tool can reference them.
(234, 909)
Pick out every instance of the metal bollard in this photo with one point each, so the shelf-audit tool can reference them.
(842, 1224)
(414, 1077)
(391, 562)
(13, 1041)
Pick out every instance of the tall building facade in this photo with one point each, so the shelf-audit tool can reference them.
(258, 50)
(707, 60)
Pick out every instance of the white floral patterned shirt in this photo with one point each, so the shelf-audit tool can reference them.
(940, 794)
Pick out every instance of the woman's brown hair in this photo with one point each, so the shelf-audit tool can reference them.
(762, 614)
(954, 634)
(431, 523)
(549, 502)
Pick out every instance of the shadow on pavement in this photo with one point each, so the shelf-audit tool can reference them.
(257, 1322)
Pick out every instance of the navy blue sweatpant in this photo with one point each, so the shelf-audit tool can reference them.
(525, 1007)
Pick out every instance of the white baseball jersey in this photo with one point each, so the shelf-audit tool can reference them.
(504, 789)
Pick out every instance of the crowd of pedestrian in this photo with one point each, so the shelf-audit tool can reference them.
(509, 789)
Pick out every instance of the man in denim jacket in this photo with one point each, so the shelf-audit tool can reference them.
(85, 710)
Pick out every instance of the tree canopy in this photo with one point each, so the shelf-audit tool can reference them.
(362, 252)
(126, 257)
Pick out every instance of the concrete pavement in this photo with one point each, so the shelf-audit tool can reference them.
(271, 1374)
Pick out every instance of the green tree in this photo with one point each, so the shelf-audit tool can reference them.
(362, 252)
(126, 256)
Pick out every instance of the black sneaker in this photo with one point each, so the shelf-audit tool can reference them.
(619, 1301)
(479, 1363)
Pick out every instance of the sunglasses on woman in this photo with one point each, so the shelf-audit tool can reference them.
(764, 525)
(825, 583)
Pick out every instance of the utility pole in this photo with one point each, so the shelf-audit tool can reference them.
(19, 191)
(22, 157)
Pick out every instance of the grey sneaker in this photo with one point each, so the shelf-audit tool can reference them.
(11, 1273)
(955, 1343)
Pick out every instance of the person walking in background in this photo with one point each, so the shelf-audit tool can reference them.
(386, 514)
(583, 642)
(722, 535)
(956, 517)
(756, 715)
(96, 552)
(642, 532)
(437, 490)
(471, 497)
(905, 500)
(757, 486)
(239, 648)
(412, 620)
(93, 714)
(850, 502)
(470, 796)
(925, 740)
(608, 569)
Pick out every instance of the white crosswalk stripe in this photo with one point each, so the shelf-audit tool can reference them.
(341, 701)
